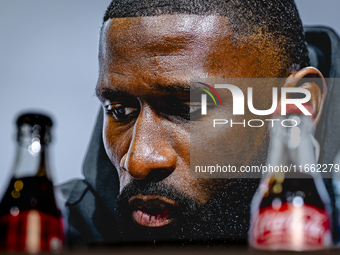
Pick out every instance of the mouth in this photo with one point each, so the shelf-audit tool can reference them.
(153, 211)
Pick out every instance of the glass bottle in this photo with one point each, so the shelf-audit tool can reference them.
(291, 209)
(336, 188)
(30, 220)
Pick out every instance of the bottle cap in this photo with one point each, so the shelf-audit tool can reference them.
(34, 119)
(35, 125)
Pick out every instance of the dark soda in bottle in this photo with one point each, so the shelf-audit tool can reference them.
(291, 209)
(30, 220)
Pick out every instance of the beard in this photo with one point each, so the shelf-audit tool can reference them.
(224, 218)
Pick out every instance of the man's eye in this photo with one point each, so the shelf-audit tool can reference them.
(183, 110)
(194, 108)
(122, 113)
(191, 111)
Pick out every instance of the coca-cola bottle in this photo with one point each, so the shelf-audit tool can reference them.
(30, 220)
(336, 189)
(291, 208)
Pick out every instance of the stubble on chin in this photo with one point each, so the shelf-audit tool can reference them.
(224, 218)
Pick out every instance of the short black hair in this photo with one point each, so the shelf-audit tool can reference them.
(277, 19)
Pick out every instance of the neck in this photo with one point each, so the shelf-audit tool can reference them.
(31, 160)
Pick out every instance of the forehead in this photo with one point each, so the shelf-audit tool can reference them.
(169, 47)
(165, 30)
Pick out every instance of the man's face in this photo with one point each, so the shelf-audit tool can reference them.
(146, 64)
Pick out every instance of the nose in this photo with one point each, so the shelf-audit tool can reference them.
(150, 155)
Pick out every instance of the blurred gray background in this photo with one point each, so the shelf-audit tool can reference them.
(48, 61)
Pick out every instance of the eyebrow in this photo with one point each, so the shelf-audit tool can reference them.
(185, 88)
(107, 93)
(111, 93)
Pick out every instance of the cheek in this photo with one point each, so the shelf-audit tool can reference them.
(225, 145)
(199, 189)
(222, 145)
(116, 143)
(124, 179)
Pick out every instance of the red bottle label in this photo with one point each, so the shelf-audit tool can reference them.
(291, 228)
(31, 231)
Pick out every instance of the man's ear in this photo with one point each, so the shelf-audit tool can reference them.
(310, 78)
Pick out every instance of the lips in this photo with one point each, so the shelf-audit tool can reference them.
(153, 211)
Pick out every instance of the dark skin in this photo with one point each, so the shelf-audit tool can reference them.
(146, 64)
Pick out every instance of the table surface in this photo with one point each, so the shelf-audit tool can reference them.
(177, 249)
